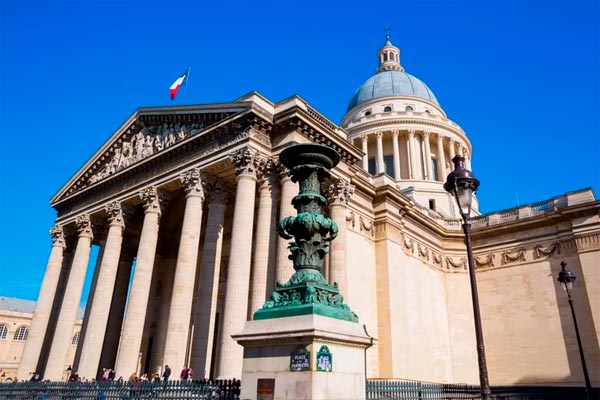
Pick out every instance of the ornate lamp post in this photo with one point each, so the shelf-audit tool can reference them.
(307, 291)
(566, 279)
(462, 185)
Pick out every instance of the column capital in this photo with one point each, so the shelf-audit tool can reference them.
(216, 191)
(83, 224)
(269, 173)
(364, 138)
(117, 213)
(192, 183)
(439, 136)
(339, 191)
(411, 132)
(153, 199)
(249, 162)
(58, 236)
(379, 134)
(426, 134)
(395, 133)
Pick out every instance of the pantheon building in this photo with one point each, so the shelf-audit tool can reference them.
(182, 203)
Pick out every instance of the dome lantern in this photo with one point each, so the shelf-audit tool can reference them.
(389, 56)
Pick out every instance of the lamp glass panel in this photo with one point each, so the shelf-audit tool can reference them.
(465, 196)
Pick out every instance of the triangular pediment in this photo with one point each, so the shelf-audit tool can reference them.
(148, 133)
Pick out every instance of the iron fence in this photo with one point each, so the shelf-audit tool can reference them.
(413, 390)
(170, 390)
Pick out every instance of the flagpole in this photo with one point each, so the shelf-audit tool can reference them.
(187, 78)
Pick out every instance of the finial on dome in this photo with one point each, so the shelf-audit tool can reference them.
(389, 55)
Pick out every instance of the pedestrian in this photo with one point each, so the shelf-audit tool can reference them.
(167, 373)
(111, 374)
(184, 373)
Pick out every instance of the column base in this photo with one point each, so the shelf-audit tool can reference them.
(334, 351)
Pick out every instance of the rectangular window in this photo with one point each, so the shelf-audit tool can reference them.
(434, 168)
(372, 166)
(432, 204)
(388, 162)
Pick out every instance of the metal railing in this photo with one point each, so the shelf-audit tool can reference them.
(205, 389)
(413, 390)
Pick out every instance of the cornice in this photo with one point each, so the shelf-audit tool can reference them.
(318, 129)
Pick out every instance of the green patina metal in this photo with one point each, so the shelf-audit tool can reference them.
(307, 291)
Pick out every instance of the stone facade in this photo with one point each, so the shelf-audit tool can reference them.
(203, 190)
(15, 324)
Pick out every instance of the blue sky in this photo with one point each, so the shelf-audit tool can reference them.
(521, 78)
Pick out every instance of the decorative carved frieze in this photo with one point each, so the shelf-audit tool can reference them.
(365, 225)
(484, 260)
(437, 258)
(423, 251)
(149, 140)
(513, 255)
(351, 217)
(407, 245)
(452, 262)
(586, 243)
(540, 251)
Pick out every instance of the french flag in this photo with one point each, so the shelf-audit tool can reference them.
(177, 84)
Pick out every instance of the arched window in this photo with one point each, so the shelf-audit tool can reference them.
(3, 331)
(75, 339)
(392, 56)
(21, 333)
(367, 113)
(409, 108)
(387, 109)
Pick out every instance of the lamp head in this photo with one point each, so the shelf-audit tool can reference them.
(566, 277)
(461, 183)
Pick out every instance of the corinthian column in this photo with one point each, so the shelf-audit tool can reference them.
(185, 271)
(105, 284)
(365, 149)
(284, 268)
(427, 160)
(264, 240)
(208, 282)
(43, 307)
(247, 163)
(396, 151)
(441, 157)
(71, 299)
(380, 162)
(413, 153)
(133, 326)
(338, 193)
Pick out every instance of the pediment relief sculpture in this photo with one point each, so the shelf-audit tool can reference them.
(149, 140)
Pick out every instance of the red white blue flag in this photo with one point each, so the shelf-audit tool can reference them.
(177, 84)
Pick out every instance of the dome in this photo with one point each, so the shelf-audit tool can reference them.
(391, 83)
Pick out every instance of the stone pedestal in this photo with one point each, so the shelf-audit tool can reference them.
(269, 345)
